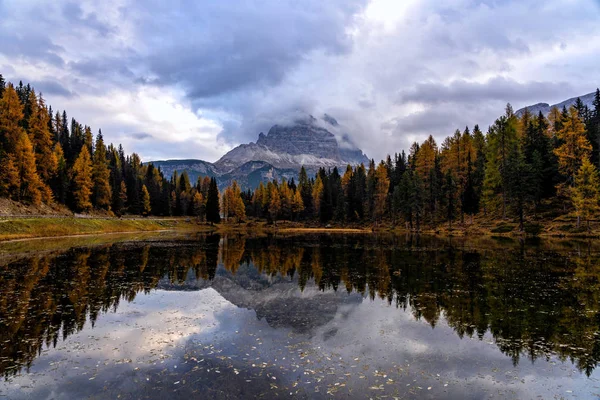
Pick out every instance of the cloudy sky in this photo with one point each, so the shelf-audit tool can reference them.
(193, 78)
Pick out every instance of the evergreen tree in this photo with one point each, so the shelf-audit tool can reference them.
(518, 184)
(2, 85)
(470, 202)
(212, 203)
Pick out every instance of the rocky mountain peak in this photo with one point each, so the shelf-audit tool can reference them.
(304, 141)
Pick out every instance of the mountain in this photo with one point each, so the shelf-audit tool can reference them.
(545, 107)
(194, 168)
(279, 154)
(250, 174)
(304, 142)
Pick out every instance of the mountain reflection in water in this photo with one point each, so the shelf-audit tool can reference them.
(533, 300)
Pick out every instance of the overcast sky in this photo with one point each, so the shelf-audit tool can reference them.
(193, 78)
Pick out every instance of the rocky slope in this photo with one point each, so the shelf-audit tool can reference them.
(194, 168)
(545, 107)
(306, 142)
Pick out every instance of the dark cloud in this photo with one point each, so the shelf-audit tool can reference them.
(51, 87)
(466, 92)
(408, 70)
(30, 46)
(74, 14)
(215, 48)
(141, 135)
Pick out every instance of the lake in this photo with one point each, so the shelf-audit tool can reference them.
(316, 316)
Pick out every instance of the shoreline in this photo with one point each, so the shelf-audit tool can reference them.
(25, 228)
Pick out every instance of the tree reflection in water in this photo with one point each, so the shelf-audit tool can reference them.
(535, 299)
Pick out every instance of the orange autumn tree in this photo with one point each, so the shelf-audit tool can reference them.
(82, 180)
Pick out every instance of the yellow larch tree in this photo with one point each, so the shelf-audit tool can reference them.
(82, 180)
(575, 147)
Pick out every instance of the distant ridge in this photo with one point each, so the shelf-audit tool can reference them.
(545, 107)
(279, 154)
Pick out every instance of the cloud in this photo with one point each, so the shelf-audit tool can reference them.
(498, 88)
(390, 72)
(52, 88)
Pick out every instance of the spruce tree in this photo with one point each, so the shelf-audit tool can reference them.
(213, 213)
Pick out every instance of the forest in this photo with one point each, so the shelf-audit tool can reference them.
(522, 167)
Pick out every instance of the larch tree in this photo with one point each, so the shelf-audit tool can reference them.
(297, 203)
(82, 180)
(41, 138)
(382, 187)
(575, 146)
(146, 206)
(102, 194)
(585, 193)
(317, 194)
(275, 203)
(198, 203)
(121, 200)
(11, 113)
(9, 177)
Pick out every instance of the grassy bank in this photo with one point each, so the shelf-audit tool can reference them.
(36, 227)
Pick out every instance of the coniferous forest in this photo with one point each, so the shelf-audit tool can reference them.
(522, 167)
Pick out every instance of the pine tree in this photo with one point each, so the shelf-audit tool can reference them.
(212, 203)
(102, 192)
(146, 206)
(585, 193)
(82, 180)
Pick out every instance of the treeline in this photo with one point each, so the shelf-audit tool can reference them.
(45, 158)
(521, 165)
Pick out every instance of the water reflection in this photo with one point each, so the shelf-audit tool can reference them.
(536, 300)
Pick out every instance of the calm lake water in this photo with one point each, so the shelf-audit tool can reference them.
(315, 316)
